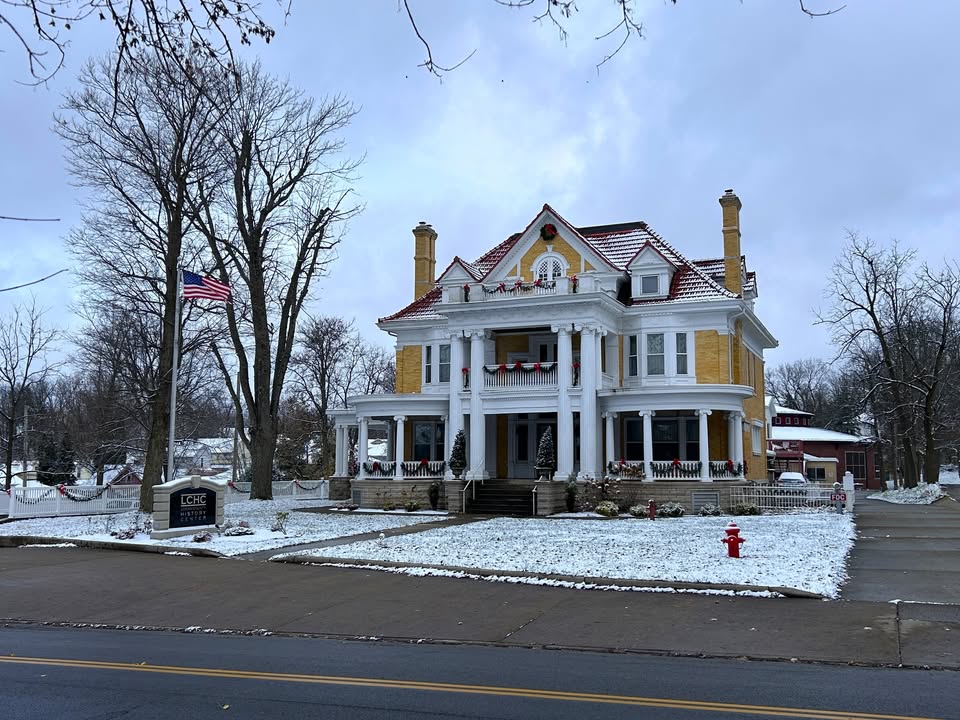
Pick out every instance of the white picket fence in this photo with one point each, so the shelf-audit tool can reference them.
(4, 501)
(76, 500)
(782, 499)
(301, 489)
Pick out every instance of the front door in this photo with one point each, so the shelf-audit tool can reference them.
(524, 433)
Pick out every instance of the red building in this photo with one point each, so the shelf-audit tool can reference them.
(820, 454)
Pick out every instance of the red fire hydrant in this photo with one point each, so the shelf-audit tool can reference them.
(652, 510)
(733, 540)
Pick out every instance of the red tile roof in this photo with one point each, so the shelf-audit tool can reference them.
(617, 244)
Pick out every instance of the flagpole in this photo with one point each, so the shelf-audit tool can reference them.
(171, 439)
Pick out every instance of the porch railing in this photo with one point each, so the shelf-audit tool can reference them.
(423, 469)
(675, 469)
(626, 470)
(379, 468)
(514, 289)
(520, 375)
(726, 469)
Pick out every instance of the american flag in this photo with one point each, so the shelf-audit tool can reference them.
(196, 286)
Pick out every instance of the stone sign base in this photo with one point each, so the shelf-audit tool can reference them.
(187, 506)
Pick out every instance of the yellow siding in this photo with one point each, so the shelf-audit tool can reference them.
(511, 344)
(710, 348)
(561, 247)
(409, 369)
(717, 436)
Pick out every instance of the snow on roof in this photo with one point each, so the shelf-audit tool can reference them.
(618, 244)
(811, 434)
(813, 458)
(783, 409)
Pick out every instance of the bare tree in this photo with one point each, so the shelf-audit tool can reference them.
(141, 144)
(26, 345)
(182, 31)
(813, 385)
(899, 325)
(272, 229)
(335, 362)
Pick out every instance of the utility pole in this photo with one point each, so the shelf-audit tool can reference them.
(26, 445)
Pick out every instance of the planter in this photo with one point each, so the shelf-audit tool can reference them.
(544, 472)
(457, 470)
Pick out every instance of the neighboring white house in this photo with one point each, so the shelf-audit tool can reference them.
(608, 335)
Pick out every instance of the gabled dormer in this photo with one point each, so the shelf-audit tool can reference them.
(548, 248)
(455, 280)
(651, 274)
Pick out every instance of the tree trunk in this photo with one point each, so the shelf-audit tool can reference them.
(263, 446)
(100, 474)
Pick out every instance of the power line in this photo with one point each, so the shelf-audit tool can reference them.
(34, 282)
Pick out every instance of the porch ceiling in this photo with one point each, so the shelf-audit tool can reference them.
(388, 405)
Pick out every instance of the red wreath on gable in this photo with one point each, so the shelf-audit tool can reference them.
(548, 231)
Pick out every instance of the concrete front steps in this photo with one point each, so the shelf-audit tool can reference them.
(499, 497)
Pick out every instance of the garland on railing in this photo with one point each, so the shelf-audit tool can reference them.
(519, 286)
(676, 468)
(67, 494)
(519, 366)
(380, 469)
(423, 467)
(308, 489)
(726, 468)
(626, 469)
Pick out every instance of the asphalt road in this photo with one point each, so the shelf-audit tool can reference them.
(72, 673)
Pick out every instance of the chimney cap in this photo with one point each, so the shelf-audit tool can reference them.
(728, 191)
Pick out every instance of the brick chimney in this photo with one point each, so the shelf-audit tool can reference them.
(424, 259)
(731, 205)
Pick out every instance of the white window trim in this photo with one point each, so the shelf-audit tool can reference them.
(670, 375)
(646, 356)
(434, 365)
(658, 278)
(756, 437)
(550, 255)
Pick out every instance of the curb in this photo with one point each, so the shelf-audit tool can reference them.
(482, 572)
(18, 540)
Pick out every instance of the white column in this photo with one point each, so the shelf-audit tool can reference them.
(564, 439)
(589, 363)
(647, 416)
(478, 438)
(736, 436)
(454, 421)
(338, 452)
(609, 456)
(362, 444)
(704, 446)
(599, 341)
(398, 468)
(447, 438)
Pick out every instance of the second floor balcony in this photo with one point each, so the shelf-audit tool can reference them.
(514, 289)
(520, 375)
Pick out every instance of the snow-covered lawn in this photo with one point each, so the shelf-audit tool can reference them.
(260, 514)
(807, 552)
(949, 475)
(922, 494)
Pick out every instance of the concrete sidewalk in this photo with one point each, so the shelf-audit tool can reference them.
(905, 552)
(135, 589)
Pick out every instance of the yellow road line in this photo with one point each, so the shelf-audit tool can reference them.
(770, 711)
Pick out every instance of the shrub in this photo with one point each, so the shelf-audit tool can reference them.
(571, 495)
(744, 509)
(670, 510)
(281, 524)
(433, 492)
(607, 508)
(387, 507)
(707, 510)
(458, 454)
(239, 530)
(202, 537)
(411, 506)
(638, 511)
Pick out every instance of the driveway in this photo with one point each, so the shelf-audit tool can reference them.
(905, 552)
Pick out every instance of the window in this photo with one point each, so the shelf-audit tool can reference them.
(856, 463)
(756, 437)
(816, 474)
(666, 439)
(633, 439)
(655, 354)
(681, 353)
(427, 363)
(522, 441)
(428, 440)
(692, 449)
(650, 285)
(549, 269)
(632, 356)
(443, 368)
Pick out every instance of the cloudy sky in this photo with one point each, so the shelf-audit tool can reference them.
(820, 125)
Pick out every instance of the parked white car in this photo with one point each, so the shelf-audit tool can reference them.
(792, 479)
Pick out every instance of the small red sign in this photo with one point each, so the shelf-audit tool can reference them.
(838, 497)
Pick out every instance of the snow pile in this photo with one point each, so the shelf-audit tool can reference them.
(260, 514)
(807, 552)
(922, 494)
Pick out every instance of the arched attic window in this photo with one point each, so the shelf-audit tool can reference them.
(549, 267)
